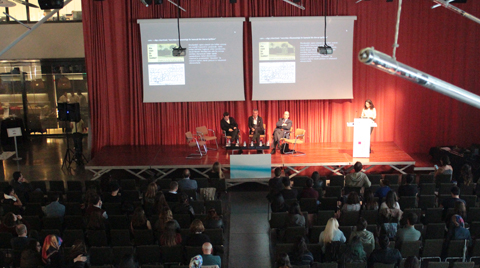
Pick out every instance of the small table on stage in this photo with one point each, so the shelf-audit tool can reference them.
(247, 148)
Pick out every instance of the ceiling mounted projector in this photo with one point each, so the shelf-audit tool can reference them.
(325, 50)
(179, 52)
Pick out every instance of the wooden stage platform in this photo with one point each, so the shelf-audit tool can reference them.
(166, 159)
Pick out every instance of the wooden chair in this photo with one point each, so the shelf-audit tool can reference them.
(250, 136)
(193, 142)
(202, 132)
(299, 139)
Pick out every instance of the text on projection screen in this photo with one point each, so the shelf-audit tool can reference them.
(212, 69)
(287, 66)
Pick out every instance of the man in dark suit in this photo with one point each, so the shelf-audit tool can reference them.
(230, 126)
(19, 243)
(255, 126)
(284, 124)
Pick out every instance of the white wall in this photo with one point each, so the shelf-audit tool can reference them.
(49, 41)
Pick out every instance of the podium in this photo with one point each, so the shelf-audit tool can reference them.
(361, 136)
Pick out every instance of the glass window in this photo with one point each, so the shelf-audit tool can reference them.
(72, 11)
(19, 12)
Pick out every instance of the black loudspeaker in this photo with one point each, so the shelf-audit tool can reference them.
(50, 4)
(69, 112)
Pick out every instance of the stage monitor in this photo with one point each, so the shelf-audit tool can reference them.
(212, 69)
(287, 66)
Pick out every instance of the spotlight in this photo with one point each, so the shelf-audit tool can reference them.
(158, 2)
(233, 1)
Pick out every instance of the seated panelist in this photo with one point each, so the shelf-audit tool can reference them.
(230, 126)
(255, 126)
(284, 124)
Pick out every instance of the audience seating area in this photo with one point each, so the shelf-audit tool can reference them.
(107, 247)
(426, 205)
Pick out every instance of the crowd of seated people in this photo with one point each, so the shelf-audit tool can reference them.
(373, 219)
(43, 227)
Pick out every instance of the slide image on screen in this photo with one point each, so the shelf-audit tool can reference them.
(287, 66)
(210, 70)
(162, 53)
(276, 51)
(166, 74)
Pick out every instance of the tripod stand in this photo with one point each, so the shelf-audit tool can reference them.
(69, 153)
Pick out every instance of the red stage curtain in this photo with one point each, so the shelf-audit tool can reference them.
(438, 42)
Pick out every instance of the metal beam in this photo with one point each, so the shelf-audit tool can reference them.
(35, 26)
(383, 62)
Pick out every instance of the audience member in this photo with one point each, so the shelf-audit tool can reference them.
(21, 186)
(52, 255)
(216, 171)
(353, 202)
(450, 201)
(408, 189)
(196, 262)
(54, 209)
(172, 194)
(283, 261)
(466, 175)
(288, 192)
(369, 202)
(31, 257)
(213, 220)
(10, 222)
(183, 206)
(196, 238)
(169, 236)
(186, 183)
(278, 203)
(331, 234)
(139, 221)
(445, 166)
(295, 216)
(408, 232)
(160, 203)
(300, 254)
(308, 191)
(458, 230)
(96, 206)
(19, 243)
(164, 217)
(459, 209)
(275, 184)
(77, 252)
(149, 195)
(208, 258)
(384, 254)
(318, 183)
(113, 195)
(354, 252)
(383, 190)
(357, 178)
(11, 200)
(366, 237)
(390, 209)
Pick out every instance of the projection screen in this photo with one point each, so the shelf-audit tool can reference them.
(287, 66)
(212, 69)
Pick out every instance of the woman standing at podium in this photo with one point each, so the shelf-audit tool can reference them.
(369, 110)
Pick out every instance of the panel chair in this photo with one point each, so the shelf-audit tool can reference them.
(299, 139)
(203, 131)
(226, 137)
(194, 142)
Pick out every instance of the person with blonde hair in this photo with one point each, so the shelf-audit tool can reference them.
(331, 234)
(196, 238)
(216, 172)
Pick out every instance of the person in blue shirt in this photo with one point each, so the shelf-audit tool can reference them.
(383, 190)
